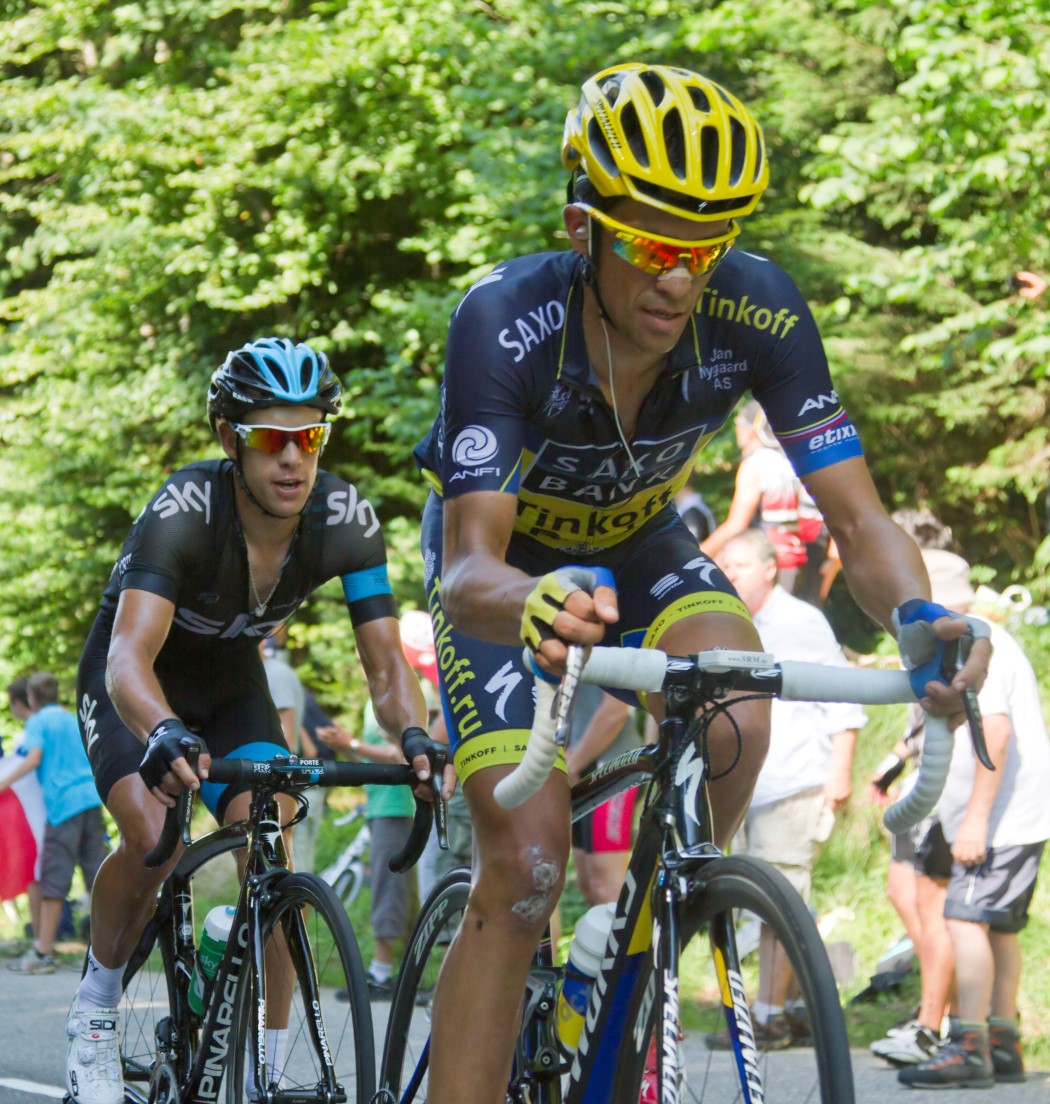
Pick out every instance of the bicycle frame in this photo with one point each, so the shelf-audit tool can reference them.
(610, 1056)
(212, 1043)
(609, 1059)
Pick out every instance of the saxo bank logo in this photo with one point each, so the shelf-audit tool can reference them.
(474, 446)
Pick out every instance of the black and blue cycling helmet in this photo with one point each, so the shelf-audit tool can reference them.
(272, 371)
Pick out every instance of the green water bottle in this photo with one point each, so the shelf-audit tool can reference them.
(217, 925)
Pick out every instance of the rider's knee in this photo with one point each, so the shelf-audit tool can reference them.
(135, 845)
(741, 738)
(523, 888)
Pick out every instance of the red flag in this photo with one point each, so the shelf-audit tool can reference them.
(21, 829)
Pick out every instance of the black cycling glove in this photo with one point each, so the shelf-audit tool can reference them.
(415, 741)
(169, 741)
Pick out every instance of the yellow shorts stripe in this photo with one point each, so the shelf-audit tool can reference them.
(495, 749)
(709, 601)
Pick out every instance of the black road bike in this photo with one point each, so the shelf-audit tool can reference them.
(290, 936)
(678, 886)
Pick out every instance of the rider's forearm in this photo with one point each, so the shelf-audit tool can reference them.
(485, 598)
(136, 693)
(882, 565)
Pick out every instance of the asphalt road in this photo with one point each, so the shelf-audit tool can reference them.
(32, 1050)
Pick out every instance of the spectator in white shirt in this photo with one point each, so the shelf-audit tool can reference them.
(806, 776)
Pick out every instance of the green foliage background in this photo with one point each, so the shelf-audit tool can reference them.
(177, 178)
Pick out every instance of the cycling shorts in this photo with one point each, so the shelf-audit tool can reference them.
(228, 705)
(487, 691)
(609, 827)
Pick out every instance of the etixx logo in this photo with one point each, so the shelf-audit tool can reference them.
(474, 446)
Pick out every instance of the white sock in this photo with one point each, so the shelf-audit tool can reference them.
(276, 1041)
(380, 971)
(101, 986)
(762, 1013)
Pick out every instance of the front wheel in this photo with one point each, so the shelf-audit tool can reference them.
(404, 1072)
(803, 1054)
(147, 1013)
(312, 960)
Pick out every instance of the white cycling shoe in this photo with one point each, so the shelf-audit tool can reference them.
(93, 1072)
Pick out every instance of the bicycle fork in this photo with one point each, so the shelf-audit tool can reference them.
(733, 996)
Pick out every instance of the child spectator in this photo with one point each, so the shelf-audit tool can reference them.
(75, 833)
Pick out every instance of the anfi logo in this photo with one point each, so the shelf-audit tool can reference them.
(474, 446)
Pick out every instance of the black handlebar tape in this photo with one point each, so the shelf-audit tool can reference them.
(422, 822)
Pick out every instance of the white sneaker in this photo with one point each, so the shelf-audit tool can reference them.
(908, 1048)
(93, 1073)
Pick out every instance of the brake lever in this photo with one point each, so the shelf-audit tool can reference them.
(566, 699)
(437, 775)
(956, 653)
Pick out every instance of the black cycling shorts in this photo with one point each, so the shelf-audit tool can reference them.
(227, 704)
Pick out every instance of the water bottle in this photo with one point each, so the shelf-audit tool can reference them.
(585, 958)
(217, 925)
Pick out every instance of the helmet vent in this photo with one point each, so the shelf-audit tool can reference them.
(600, 147)
(709, 152)
(674, 143)
(700, 100)
(738, 138)
(654, 85)
(632, 131)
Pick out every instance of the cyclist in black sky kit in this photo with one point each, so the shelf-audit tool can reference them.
(579, 387)
(223, 554)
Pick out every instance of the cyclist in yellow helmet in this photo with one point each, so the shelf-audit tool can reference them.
(579, 387)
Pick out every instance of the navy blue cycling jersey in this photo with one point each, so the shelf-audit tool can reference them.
(522, 410)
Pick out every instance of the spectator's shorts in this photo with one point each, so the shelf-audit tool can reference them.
(925, 849)
(78, 841)
(790, 834)
(608, 828)
(391, 893)
(999, 891)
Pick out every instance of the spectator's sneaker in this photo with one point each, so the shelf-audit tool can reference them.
(909, 1046)
(33, 962)
(797, 1016)
(963, 1061)
(93, 1074)
(380, 990)
(903, 1027)
(1004, 1041)
(774, 1035)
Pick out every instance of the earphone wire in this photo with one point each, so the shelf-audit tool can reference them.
(612, 392)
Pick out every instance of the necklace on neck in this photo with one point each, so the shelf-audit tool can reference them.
(254, 596)
(260, 603)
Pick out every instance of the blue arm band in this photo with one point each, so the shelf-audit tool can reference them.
(366, 583)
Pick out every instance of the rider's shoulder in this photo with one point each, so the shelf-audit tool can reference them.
(193, 488)
(521, 282)
(745, 272)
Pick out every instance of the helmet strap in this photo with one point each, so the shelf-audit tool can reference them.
(243, 484)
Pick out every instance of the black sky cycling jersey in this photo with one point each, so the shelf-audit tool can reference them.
(522, 410)
(187, 546)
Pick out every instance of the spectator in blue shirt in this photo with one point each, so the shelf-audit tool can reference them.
(75, 833)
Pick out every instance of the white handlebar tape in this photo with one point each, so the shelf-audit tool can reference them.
(917, 804)
(540, 753)
(866, 686)
(626, 668)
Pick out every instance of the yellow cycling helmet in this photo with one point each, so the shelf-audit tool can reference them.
(668, 138)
